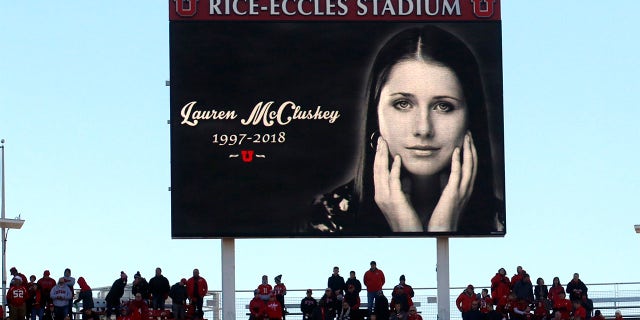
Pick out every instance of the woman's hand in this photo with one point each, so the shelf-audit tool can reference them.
(458, 190)
(389, 196)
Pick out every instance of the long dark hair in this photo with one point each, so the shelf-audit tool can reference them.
(433, 45)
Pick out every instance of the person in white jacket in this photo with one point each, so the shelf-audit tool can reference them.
(61, 296)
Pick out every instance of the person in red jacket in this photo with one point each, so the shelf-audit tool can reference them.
(518, 276)
(464, 300)
(265, 288)
(280, 290)
(500, 285)
(17, 297)
(15, 273)
(274, 309)
(486, 303)
(46, 283)
(373, 280)
(563, 305)
(555, 289)
(196, 290)
(579, 312)
(138, 308)
(618, 315)
(257, 307)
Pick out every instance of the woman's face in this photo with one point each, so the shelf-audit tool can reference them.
(422, 115)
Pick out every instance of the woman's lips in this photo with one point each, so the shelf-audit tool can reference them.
(422, 150)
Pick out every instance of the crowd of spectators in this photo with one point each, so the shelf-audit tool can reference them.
(340, 300)
(48, 299)
(517, 298)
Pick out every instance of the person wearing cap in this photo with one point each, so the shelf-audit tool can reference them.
(141, 286)
(400, 297)
(196, 290)
(352, 298)
(159, 288)
(46, 283)
(17, 298)
(257, 307)
(14, 273)
(115, 294)
(178, 294)
(307, 305)
(464, 300)
(61, 296)
(280, 290)
(373, 280)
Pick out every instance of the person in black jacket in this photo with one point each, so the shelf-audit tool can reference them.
(353, 281)
(576, 289)
(178, 294)
(115, 294)
(159, 288)
(381, 306)
(524, 289)
(336, 282)
(141, 286)
(307, 305)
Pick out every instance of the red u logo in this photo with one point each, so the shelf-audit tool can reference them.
(483, 8)
(186, 8)
(247, 155)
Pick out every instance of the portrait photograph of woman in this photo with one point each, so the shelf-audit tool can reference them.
(425, 163)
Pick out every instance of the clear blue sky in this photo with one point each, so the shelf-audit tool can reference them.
(84, 110)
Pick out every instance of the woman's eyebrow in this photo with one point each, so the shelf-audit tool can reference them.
(448, 97)
(404, 94)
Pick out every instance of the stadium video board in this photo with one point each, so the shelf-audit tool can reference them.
(336, 118)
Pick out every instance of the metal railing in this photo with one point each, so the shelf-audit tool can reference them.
(602, 293)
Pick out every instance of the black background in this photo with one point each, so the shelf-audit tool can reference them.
(235, 65)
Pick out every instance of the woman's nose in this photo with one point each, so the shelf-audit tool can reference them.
(422, 125)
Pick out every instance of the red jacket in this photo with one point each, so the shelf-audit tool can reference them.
(264, 289)
(374, 280)
(564, 306)
(274, 309)
(500, 286)
(516, 278)
(202, 288)
(280, 289)
(46, 283)
(463, 303)
(554, 292)
(138, 310)
(17, 295)
(257, 307)
(581, 313)
(485, 304)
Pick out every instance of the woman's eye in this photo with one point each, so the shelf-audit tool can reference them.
(402, 104)
(443, 107)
